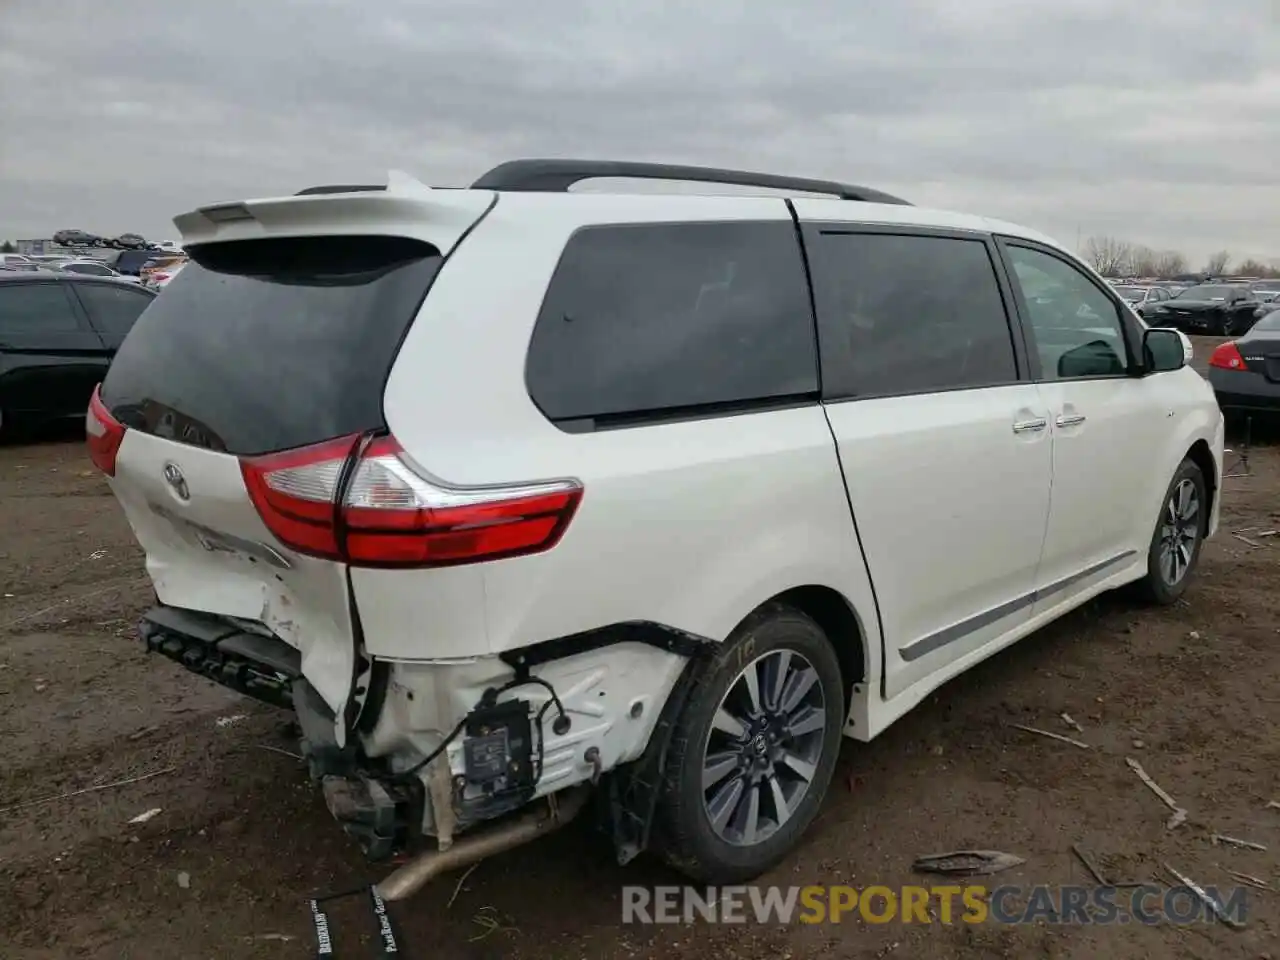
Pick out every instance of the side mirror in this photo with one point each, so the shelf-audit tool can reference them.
(1097, 358)
(1164, 350)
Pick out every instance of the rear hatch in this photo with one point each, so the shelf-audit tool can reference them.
(258, 346)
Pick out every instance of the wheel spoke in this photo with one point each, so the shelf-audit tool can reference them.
(798, 687)
(781, 809)
(776, 671)
(803, 768)
(727, 723)
(1185, 490)
(724, 803)
(806, 720)
(718, 766)
(751, 677)
(746, 820)
(1193, 507)
(1184, 550)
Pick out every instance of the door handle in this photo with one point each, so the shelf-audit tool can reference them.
(1030, 426)
(1073, 420)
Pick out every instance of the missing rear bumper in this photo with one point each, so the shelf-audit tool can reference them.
(257, 666)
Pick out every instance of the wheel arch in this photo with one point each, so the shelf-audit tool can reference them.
(841, 623)
(1200, 454)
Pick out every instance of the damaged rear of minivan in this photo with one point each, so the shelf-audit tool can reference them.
(241, 427)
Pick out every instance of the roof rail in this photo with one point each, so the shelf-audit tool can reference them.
(557, 176)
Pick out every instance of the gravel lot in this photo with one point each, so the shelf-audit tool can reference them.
(1192, 691)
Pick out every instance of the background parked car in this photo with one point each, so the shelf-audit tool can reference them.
(92, 268)
(159, 263)
(1245, 373)
(160, 278)
(130, 241)
(1144, 300)
(130, 262)
(58, 333)
(8, 259)
(1217, 309)
(77, 238)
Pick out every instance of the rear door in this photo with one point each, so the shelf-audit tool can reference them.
(50, 358)
(943, 440)
(112, 308)
(261, 346)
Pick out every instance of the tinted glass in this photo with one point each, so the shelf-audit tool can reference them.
(1075, 327)
(113, 308)
(27, 308)
(1270, 323)
(906, 314)
(263, 345)
(640, 319)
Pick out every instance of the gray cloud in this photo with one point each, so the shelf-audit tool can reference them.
(1072, 116)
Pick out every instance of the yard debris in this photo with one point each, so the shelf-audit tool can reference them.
(1267, 533)
(282, 752)
(283, 937)
(1052, 736)
(1066, 718)
(1207, 900)
(94, 789)
(184, 880)
(1179, 815)
(461, 881)
(97, 555)
(1089, 864)
(1273, 805)
(1255, 882)
(1218, 838)
(1139, 744)
(1243, 539)
(146, 815)
(967, 862)
(1094, 869)
(233, 718)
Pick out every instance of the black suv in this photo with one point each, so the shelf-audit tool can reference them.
(58, 334)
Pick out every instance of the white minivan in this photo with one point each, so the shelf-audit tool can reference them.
(515, 493)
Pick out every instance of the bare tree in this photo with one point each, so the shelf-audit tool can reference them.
(1143, 262)
(1217, 264)
(1109, 256)
(1170, 263)
(1251, 268)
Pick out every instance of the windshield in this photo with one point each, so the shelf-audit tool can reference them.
(1209, 291)
(1270, 286)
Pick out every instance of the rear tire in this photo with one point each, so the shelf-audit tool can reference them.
(1178, 536)
(754, 751)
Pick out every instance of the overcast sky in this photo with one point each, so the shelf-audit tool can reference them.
(1159, 123)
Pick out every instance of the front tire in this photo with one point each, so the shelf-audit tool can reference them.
(1178, 536)
(754, 750)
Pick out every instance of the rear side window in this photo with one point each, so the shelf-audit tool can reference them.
(113, 308)
(908, 314)
(264, 345)
(652, 320)
(33, 308)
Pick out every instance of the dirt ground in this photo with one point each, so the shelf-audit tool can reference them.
(242, 839)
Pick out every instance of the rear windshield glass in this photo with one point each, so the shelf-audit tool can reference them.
(264, 345)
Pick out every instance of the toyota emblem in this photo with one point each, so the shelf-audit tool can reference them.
(176, 481)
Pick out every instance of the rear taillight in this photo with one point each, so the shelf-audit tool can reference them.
(104, 434)
(392, 515)
(1227, 357)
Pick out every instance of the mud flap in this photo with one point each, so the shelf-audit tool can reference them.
(389, 941)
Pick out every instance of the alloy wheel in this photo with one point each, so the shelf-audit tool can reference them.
(1179, 530)
(763, 748)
